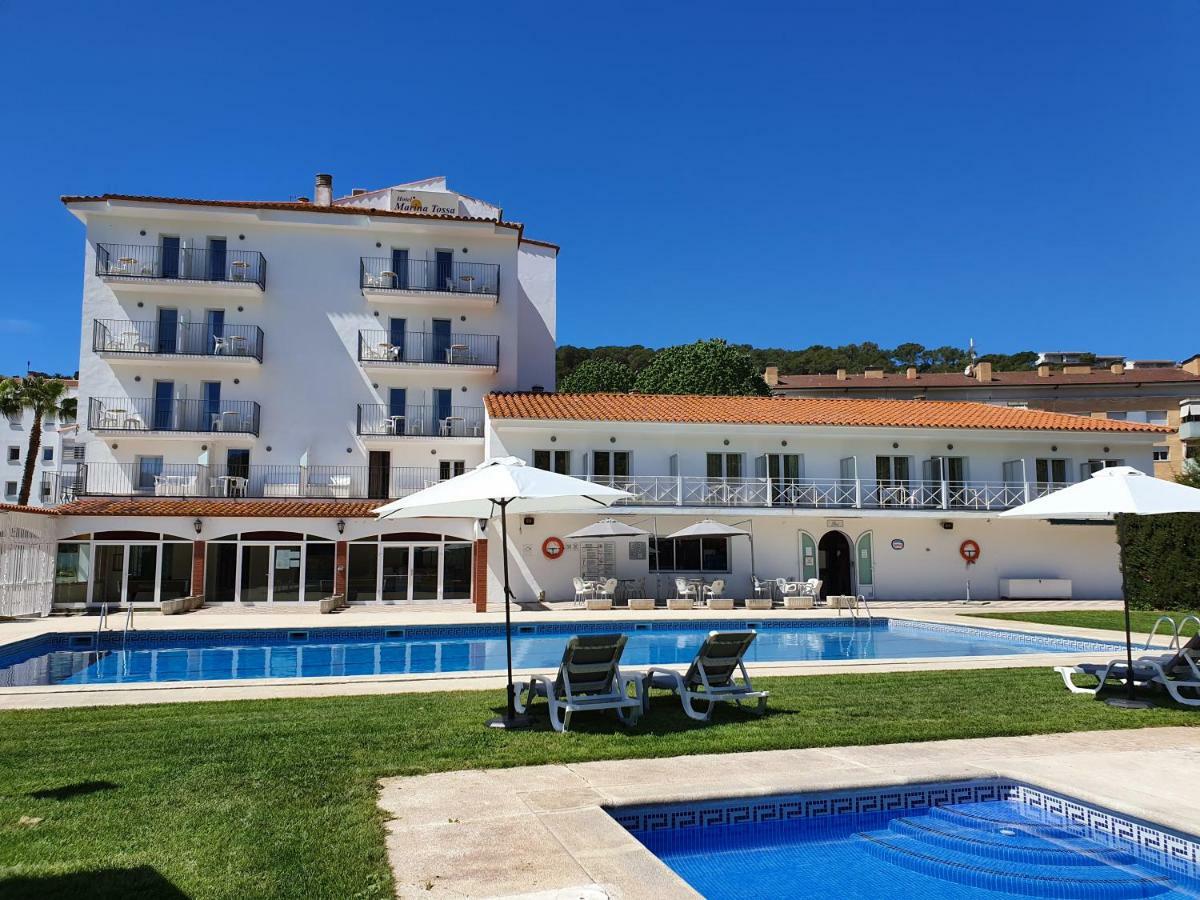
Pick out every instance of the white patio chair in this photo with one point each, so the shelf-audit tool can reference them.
(684, 589)
(763, 588)
(608, 589)
(583, 591)
(715, 589)
(787, 588)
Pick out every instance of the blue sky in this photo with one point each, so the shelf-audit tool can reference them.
(1024, 173)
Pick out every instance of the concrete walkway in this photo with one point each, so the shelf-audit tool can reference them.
(541, 831)
(61, 696)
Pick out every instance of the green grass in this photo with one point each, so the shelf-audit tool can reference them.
(277, 798)
(1142, 620)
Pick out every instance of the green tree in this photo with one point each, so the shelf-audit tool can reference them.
(1190, 474)
(598, 375)
(45, 397)
(706, 367)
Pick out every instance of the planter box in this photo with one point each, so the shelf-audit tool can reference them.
(599, 603)
(679, 603)
(720, 603)
(332, 603)
(759, 603)
(641, 603)
(181, 605)
(797, 602)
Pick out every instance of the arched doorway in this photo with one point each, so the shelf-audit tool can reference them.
(834, 559)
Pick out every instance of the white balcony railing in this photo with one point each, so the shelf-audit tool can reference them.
(816, 493)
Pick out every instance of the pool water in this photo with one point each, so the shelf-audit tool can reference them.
(992, 848)
(217, 655)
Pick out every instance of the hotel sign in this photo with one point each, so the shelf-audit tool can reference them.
(422, 202)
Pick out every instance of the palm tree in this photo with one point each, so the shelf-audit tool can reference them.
(45, 396)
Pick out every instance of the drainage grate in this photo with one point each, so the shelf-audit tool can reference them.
(754, 626)
(641, 626)
(394, 633)
(526, 629)
(297, 635)
(86, 640)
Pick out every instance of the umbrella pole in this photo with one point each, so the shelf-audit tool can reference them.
(510, 719)
(1130, 700)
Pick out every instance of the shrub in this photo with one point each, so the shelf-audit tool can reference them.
(705, 367)
(598, 376)
(1159, 560)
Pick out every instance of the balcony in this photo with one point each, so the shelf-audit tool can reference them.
(135, 264)
(146, 340)
(804, 493)
(1189, 420)
(154, 479)
(383, 277)
(378, 349)
(377, 420)
(147, 415)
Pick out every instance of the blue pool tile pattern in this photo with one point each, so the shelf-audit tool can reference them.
(220, 655)
(968, 839)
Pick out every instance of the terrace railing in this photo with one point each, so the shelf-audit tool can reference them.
(185, 339)
(429, 348)
(806, 493)
(420, 421)
(381, 273)
(145, 414)
(154, 479)
(142, 261)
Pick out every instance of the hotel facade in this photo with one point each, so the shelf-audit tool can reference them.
(257, 377)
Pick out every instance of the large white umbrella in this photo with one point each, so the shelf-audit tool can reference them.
(607, 528)
(1111, 491)
(497, 487)
(709, 528)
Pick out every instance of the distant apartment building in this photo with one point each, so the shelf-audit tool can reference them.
(1148, 391)
(56, 454)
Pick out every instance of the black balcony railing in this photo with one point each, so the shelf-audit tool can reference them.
(181, 263)
(187, 339)
(151, 414)
(423, 347)
(428, 276)
(420, 421)
(151, 477)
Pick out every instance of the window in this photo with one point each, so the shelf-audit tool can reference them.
(1162, 453)
(10, 489)
(1050, 471)
(892, 470)
(450, 468)
(1157, 417)
(1095, 465)
(724, 465)
(14, 454)
(148, 469)
(710, 554)
(237, 462)
(1121, 416)
(47, 454)
(553, 461)
(610, 463)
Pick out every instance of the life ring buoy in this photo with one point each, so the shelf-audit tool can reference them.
(552, 548)
(969, 550)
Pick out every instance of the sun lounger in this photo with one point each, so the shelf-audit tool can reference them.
(589, 678)
(710, 679)
(1174, 671)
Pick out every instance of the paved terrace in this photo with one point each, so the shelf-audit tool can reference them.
(57, 696)
(542, 832)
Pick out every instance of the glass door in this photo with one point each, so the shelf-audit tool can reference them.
(168, 330)
(216, 259)
(256, 574)
(425, 575)
(141, 577)
(109, 580)
(394, 577)
(285, 573)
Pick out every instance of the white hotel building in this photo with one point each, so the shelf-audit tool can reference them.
(256, 377)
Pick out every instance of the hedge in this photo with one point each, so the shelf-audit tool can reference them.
(1160, 560)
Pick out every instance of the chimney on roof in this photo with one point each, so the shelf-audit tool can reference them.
(1117, 368)
(911, 373)
(1191, 366)
(873, 372)
(354, 192)
(1043, 371)
(771, 375)
(323, 192)
(841, 374)
(1077, 370)
(983, 372)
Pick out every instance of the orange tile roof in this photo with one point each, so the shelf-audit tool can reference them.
(292, 206)
(831, 412)
(201, 506)
(40, 510)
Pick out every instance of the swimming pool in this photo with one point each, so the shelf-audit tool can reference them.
(220, 655)
(966, 839)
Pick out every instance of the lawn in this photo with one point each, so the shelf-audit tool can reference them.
(277, 798)
(1142, 620)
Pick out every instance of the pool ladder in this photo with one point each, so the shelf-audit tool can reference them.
(1176, 631)
(859, 609)
(104, 621)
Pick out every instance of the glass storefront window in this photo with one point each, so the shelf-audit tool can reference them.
(175, 573)
(220, 566)
(456, 572)
(256, 561)
(362, 570)
(318, 572)
(142, 578)
(71, 571)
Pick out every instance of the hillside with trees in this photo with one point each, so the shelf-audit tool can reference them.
(630, 361)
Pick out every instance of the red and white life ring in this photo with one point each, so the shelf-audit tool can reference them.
(969, 550)
(552, 548)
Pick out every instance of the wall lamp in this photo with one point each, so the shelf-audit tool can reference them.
(197, 525)
(341, 525)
